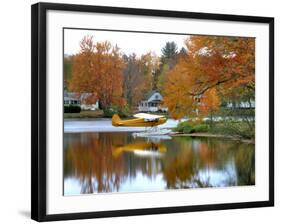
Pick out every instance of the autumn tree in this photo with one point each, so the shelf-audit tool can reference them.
(67, 69)
(97, 69)
(131, 78)
(138, 76)
(209, 103)
(149, 65)
(214, 66)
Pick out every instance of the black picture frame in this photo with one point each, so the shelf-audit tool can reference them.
(39, 122)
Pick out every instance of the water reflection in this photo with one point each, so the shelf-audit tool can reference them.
(117, 162)
(140, 148)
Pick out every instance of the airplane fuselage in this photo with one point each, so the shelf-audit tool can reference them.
(137, 122)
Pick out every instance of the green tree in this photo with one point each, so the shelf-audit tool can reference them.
(169, 52)
(168, 61)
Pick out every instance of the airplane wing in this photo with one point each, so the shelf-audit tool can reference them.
(148, 117)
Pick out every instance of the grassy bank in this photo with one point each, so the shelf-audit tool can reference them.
(228, 128)
(85, 114)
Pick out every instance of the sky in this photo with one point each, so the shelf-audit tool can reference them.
(128, 42)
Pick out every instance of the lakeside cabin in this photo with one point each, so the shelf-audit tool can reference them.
(75, 99)
(71, 99)
(153, 102)
(241, 105)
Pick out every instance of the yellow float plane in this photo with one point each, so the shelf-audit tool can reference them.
(139, 120)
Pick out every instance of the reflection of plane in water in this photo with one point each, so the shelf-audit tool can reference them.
(140, 120)
(140, 148)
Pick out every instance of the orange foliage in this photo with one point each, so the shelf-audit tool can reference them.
(139, 80)
(210, 102)
(97, 69)
(214, 66)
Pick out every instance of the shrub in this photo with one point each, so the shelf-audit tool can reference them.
(122, 112)
(201, 128)
(241, 129)
(181, 126)
(72, 109)
(187, 127)
(108, 112)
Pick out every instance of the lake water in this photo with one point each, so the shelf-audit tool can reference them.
(97, 162)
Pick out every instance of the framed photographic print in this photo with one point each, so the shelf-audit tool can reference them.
(140, 111)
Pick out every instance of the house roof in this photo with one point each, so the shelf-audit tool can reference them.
(70, 98)
(70, 95)
(149, 96)
(76, 96)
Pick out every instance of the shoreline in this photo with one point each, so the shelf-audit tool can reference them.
(208, 135)
(85, 118)
(73, 125)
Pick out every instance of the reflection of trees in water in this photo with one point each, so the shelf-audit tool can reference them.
(232, 159)
(245, 166)
(88, 158)
(147, 166)
(179, 167)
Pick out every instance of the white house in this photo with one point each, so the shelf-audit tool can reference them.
(152, 103)
(233, 105)
(87, 106)
(70, 99)
(79, 100)
(242, 105)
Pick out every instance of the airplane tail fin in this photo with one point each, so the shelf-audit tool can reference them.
(115, 120)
